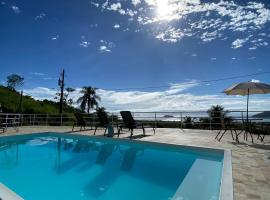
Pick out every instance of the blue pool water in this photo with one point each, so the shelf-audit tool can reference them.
(54, 166)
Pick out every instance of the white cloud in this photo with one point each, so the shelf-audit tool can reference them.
(16, 9)
(194, 55)
(170, 35)
(37, 73)
(239, 43)
(95, 4)
(213, 19)
(115, 6)
(55, 37)
(40, 16)
(104, 49)
(255, 80)
(175, 98)
(135, 2)
(116, 26)
(84, 43)
(41, 93)
(213, 58)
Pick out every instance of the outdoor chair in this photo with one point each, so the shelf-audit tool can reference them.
(225, 127)
(80, 121)
(131, 124)
(261, 130)
(103, 121)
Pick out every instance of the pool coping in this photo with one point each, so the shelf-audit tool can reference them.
(226, 185)
(8, 194)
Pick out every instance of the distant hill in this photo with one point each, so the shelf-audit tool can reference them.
(9, 101)
(265, 114)
(168, 116)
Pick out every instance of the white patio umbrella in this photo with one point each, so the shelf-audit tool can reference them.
(248, 88)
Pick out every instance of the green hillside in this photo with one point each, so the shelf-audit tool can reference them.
(9, 101)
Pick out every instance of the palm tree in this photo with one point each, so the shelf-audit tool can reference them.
(215, 113)
(89, 99)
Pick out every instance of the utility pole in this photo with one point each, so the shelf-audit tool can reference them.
(61, 83)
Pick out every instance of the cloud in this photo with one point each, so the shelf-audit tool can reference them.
(170, 35)
(41, 93)
(171, 19)
(194, 55)
(55, 37)
(104, 49)
(213, 58)
(117, 7)
(176, 98)
(239, 43)
(83, 42)
(37, 73)
(105, 46)
(135, 2)
(255, 80)
(116, 26)
(40, 16)
(16, 9)
(95, 4)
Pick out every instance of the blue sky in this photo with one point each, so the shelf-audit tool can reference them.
(136, 44)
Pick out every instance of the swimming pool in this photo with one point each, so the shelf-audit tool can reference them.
(71, 167)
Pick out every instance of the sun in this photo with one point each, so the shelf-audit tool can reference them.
(164, 9)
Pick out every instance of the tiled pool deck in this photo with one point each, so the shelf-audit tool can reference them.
(251, 162)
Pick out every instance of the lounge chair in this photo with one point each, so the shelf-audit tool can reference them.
(131, 124)
(103, 121)
(226, 127)
(80, 121)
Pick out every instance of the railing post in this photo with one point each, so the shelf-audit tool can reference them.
(34, 120)
(181, 116)
(6, 120)
(21, 119)
(210, 122)
(61, 118)
(155, 120)
(47, 118)
(112, 118)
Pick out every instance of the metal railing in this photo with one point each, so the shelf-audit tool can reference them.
(180, 119)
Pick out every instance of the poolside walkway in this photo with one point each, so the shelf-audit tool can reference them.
(251, 162)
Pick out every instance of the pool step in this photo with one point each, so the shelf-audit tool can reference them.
(8, 194)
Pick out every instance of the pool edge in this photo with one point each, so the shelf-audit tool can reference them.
(226, 187)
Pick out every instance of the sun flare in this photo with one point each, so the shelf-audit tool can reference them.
(164, 9)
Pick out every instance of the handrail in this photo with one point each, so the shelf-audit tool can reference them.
(157, 118)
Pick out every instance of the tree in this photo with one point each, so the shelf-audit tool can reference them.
(215, 113)
(66, 100)
(14, 80)
(89, 98)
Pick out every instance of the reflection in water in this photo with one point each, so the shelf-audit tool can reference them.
(9, 155)
(104, 180)
(105, 152)
(129, 158)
